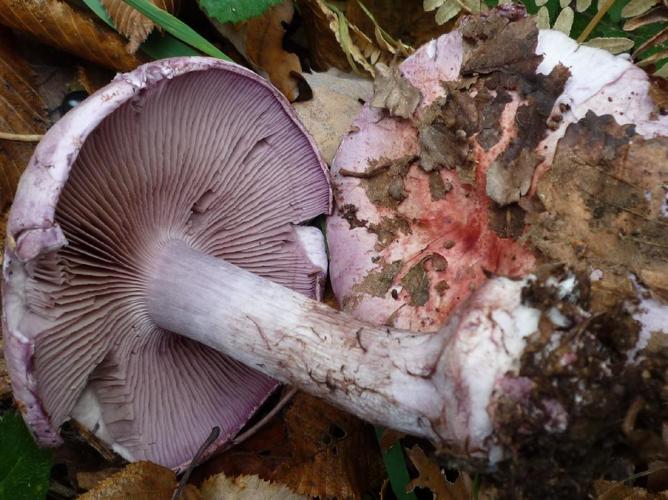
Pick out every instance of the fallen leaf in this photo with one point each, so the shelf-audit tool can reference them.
(140, 481)
(24, 468)
(614, 45)
(313, 448)
(87, 480)
(657, 15)
(334, 454)
(336, 43)
(431, 477)
(55, 23)
(394, 92)
(617, 490)
(131, 23)
(337, 100)
(22, 111)
(221, 487)
(260, 40)
(402, 20)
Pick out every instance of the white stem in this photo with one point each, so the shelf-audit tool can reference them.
(381, 374)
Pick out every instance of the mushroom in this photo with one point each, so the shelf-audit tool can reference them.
(194, 150)
(465, 386)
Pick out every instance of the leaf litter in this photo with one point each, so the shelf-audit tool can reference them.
(311, 449)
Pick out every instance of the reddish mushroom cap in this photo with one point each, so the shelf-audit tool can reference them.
(194, 149)
(409, 244)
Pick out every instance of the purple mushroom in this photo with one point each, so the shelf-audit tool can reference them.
(191, 150)
(114, 286)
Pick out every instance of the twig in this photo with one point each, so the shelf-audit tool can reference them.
(372, 172)
(595, 20)
(7, 136)
(215, 432)
(279, 406)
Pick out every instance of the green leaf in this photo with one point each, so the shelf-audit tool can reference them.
(176, 27)
(24, 468)
(395, 464)
(158, 45)
(233, 11)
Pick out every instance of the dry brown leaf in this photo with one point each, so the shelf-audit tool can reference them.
(657, 15)
(260, 40)
(55, 23)
(654, 41)
(334, 454)
(131, 23)
(336, 42)
(313, 448)
(335, 104)
(22, 111)
(140, 481)
(221, 487)
(431, 477)
(87, 480)
(617, 490)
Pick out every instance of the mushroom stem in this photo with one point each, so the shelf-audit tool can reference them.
(398, 378)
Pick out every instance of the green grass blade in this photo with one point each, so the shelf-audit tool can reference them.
(100, 11)
(158, 45)
(395, 464)
(176, 27)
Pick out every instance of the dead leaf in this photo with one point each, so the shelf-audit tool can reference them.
(390, 438)
(260, 40)
(55, 23)
(336, 42)
(131, 23)
(22, 111)
(404, 21)
(394, 92)
(334, 454)
(337, 100)
(221, 487)
(139, 481)
(614, 45)
(87, 480)
(313, 448)
(657, 15)
(617, 490)
(431, 477)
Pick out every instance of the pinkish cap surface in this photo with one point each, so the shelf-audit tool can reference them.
(410, 260)
(190, 148)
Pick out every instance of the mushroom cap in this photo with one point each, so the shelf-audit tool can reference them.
(187, 148)
(409, 261)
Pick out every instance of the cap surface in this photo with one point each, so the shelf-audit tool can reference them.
(413, 238)
(195, 149)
